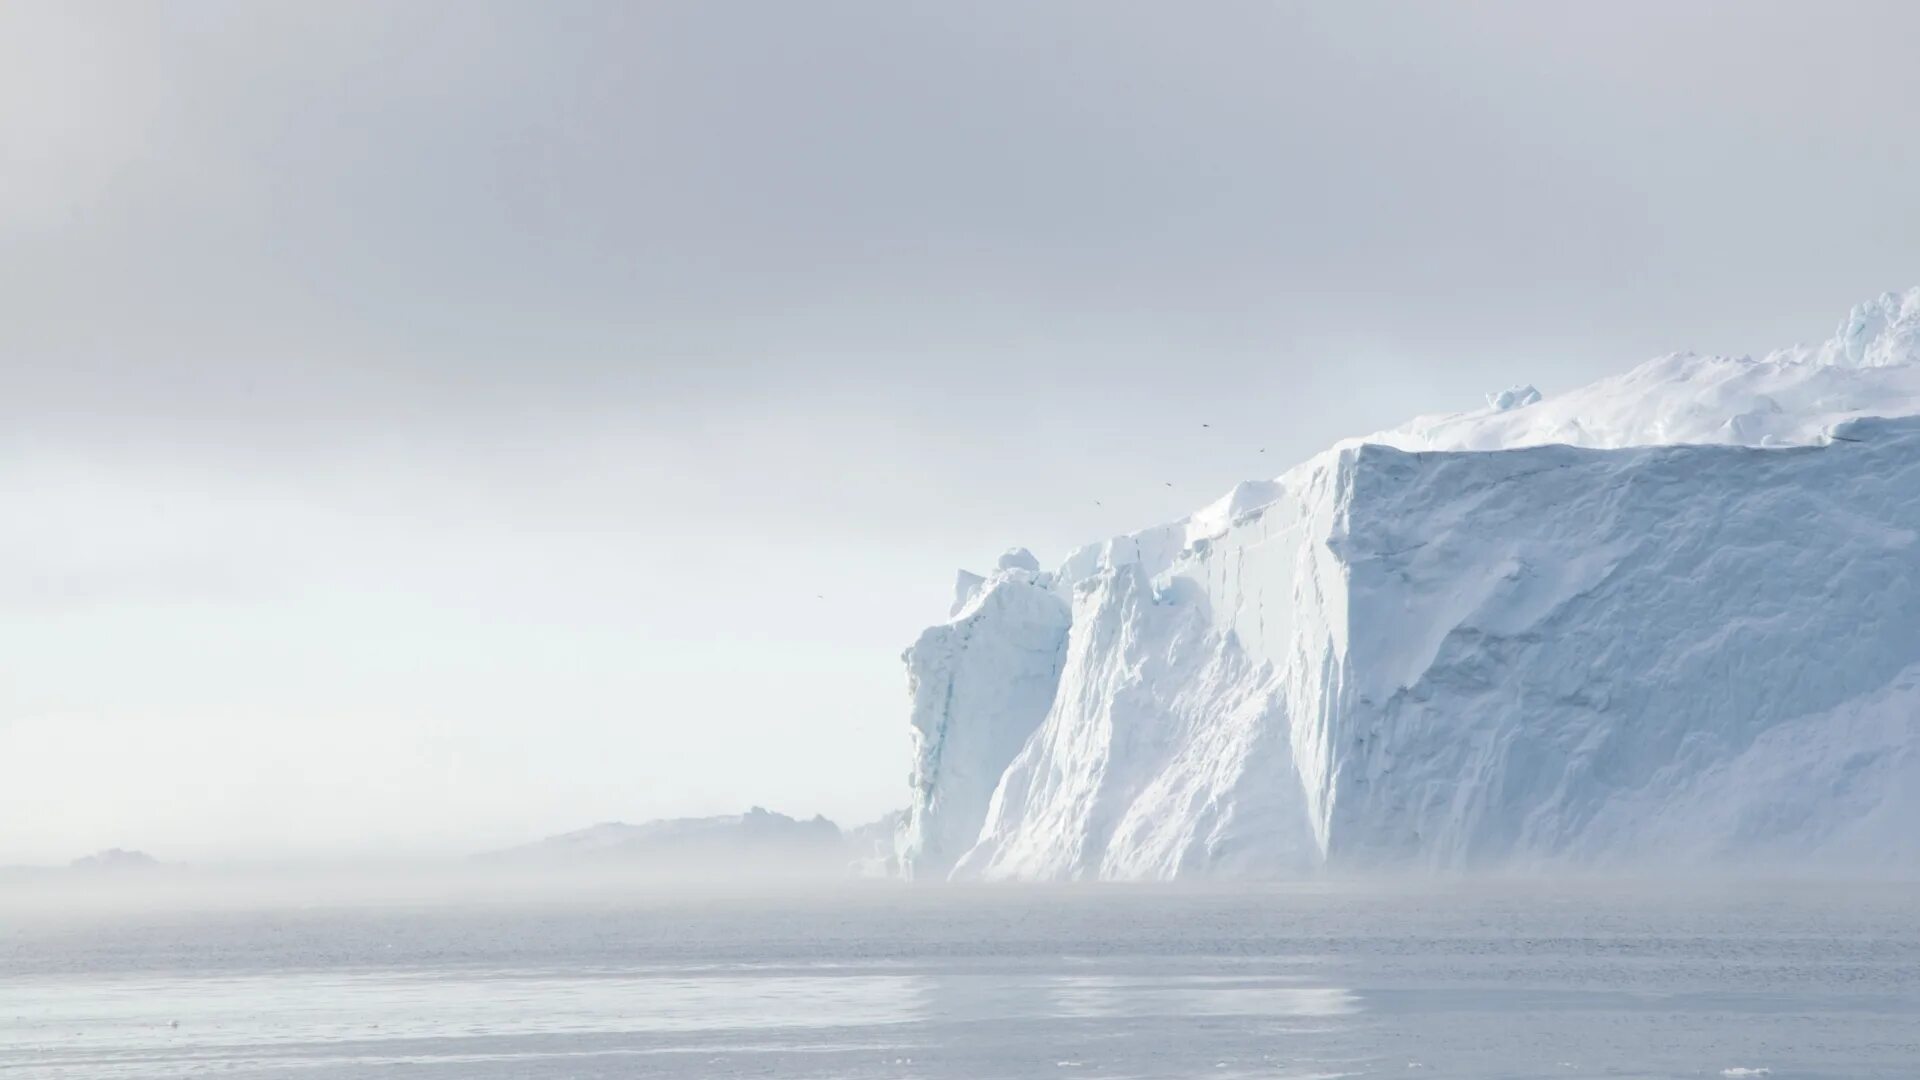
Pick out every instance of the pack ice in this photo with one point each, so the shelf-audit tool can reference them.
(1672, 616)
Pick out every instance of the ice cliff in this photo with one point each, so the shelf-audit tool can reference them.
(1671, 616)
(980, 684)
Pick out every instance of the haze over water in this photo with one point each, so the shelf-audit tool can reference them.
(890, 982)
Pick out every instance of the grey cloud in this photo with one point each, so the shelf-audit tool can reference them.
(671, 317)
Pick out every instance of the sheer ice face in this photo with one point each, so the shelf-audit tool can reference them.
(981, 684)
(1672, 615)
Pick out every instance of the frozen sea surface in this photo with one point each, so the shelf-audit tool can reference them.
(1322, 981)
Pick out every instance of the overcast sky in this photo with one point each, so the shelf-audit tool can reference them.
(428, 426)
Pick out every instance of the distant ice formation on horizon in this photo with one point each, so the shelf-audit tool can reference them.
(760, 842)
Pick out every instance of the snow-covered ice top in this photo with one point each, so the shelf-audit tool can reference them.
(1791, 397)
(1513, 397)
(1018, 559)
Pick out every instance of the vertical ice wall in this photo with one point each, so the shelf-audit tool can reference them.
(980, 684)
(1169, 749)
(1553, 648)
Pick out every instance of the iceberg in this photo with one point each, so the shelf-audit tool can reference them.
(1673, 616)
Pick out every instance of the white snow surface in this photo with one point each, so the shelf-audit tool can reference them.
(1871, 367)
(1671, 616)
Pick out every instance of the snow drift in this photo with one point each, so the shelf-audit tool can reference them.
(1674, 615)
